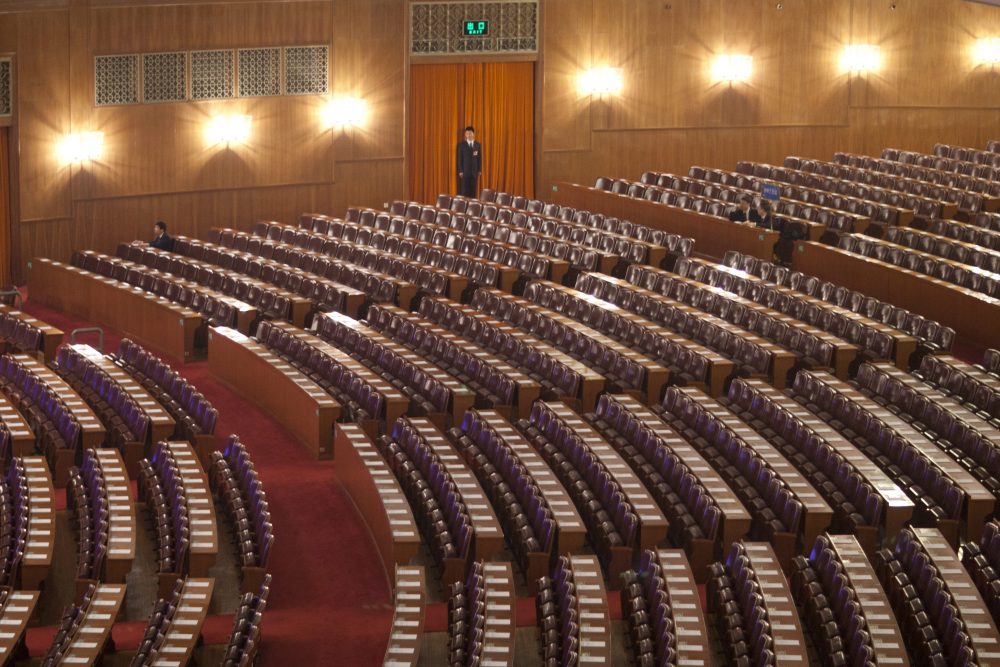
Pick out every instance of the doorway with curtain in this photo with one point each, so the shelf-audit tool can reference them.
(498, 99)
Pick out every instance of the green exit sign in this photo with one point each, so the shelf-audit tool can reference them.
(475, 28)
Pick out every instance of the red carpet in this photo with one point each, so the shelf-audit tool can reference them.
(330, 603)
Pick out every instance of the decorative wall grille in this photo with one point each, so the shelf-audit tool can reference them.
(436, 27)
(213, 75)
(6, 95)
(116, 80)
(259, 72)
(164, 77)
(307, 70)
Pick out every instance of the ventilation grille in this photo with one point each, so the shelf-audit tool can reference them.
(436, 27)
(164, 77)
(307, 70)
(116, 80)
(260, 72)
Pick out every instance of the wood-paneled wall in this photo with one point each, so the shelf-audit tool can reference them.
(669, 115)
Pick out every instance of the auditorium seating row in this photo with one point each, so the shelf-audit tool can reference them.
(244, 640)
(571, 611)
(982, 561)
(56, 414)
(882, 206)
(128, 423)
(950, 200)
(962, 231)
(988, 156)
(666, 187)
(933, 337)
(984, 184)
(620, 365)
(675, 244)
(560, 375)
(755, 614)
(950, 271)
(812, 347)
(959, 251)
(497, 384)
(441, 516)
(662, 605)
(16, 437)
(363, 395)
(778, 496)
(526, 518)
(435, 267)
(973, 385)
(865, 501)
(327, 283)
(99, 496)
(685, 360)
(24, 333)
(944, 491)
(481, 616)
(944, 621)
(84, 633)
(431, 390)
(874, 339)
(214, 306)
(174, 627)
(406, 637)
(514, 225)
(193, 414)
(16, 610)
(843, 606)
(983, 170)
(236, 485)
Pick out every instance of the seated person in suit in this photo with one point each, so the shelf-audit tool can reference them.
(161, 241)
(764, 218)
(742, 211)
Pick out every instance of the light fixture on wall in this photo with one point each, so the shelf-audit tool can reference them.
(228, 129)
(81, 147)
(987, 51)
(733, 68)
(601, 81)
(345, 112)
(861, 58)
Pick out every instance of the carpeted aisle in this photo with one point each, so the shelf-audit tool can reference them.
(330, 603)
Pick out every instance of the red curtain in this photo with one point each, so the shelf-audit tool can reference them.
(497, 99)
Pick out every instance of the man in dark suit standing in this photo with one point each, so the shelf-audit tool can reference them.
(161, 240)
(469, 159)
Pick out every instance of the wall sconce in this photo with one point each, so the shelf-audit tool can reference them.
(861, 58)
(987, 51)
(601, 81)
(81, 147)
(228, 129)
(732, 68)
(345, 112)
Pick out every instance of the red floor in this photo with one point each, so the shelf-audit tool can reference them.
(330, 602)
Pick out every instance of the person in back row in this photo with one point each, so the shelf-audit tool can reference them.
(742, 212)
(161, 240)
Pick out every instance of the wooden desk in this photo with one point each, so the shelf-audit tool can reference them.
(378, 496)
(298, 403)
(407, 635)
(816, 513)
(690, 630)
(141, 316)
(201, 510)
(592, 611)
(973, 315)
(880, 621)
(88, 642)
(22, 438)
(40, 536)
(183, 634)
(979, 622)
(14, 618)
(121, 515)
(786, 631)
(51, 337)
(898, 506)
(570, 530)
(487, 533)
(713, 235)
(498, 626)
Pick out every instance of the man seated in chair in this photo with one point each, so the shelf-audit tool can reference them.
(161, 240)
(742, 212)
